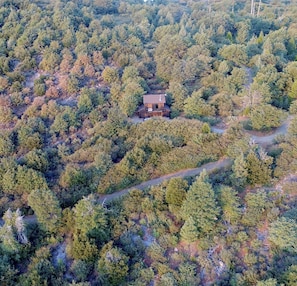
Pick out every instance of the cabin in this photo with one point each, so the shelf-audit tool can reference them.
(153, 105)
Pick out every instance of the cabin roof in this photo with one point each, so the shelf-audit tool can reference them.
(154, 98)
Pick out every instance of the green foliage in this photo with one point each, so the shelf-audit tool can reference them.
(29, 136)
(235, 53)
(64, 120)
(80, 269)
(22, 180)
(8, 273)
(265, 117)
(104, 55)
(292, 127)
(129, 104)
(179, 93)
(84, 102)
(290, 276)
(110, 75)
(168, 53)
(6, 144)
(41, 271)
(229, 201)
(283, 233)
(200, 204)
(189, 232)
(259, 168)
(157, 253)
(13, 233)
(113, 265)
(37, 160)
(5, 114)
(90, 218)
(195, 106)
(83, 248)
(176, 191)
(257, 204)
(90, 229)
(268, 282)
(293, 107)
(188, 274)
(167, 279)
(47, 209)
(39, 89)
(240, 171)
(293, 92)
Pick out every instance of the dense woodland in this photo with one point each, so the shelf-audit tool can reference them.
(72, 75)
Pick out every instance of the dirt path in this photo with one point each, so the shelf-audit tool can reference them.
(262, 139)
(180, 174)
(268, 139)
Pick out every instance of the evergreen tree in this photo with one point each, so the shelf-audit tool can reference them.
(200, 204)
(167, 279)
(290, 276)
(188, 274)
(113, 265)
(240, 172)
(259, 171)
(89, 217)
(90, 228)
(283, 233)
(230, 204)
(47, 209)
(176, 191)
(269, 282)
(189, 231)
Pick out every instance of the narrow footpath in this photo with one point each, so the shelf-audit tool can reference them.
(222, 163)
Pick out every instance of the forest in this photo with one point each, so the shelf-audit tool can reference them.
(91, 195)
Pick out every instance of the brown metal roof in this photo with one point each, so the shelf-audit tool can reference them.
(154, 98)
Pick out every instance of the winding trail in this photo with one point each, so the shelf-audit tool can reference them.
(222, 163)
(268, 139)
(261, 139)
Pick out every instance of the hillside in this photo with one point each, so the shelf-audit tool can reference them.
(92, 195)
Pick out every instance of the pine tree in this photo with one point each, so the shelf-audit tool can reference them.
(113, 265)
(200, 204)
(259, 171)
(188, 274)
(90, 227)
(89, 217)
(269, 282)
(230, 204)
(176, 191)
(189, 231)
(240, 171)
(47, 209)
(283, 233)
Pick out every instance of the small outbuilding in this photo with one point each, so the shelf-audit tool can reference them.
(153, 105)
